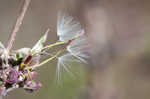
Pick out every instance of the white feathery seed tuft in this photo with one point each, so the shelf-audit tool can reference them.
(64, 63)
(67, 27)
(78, 48)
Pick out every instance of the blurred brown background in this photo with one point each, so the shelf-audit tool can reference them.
(118, 31)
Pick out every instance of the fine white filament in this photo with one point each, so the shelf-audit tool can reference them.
(68, 29)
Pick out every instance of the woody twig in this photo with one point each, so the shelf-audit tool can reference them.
(17, 25)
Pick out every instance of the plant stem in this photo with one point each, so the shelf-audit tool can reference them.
(17, 25)
(46, 61)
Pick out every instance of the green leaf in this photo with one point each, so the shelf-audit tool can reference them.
(39, 45)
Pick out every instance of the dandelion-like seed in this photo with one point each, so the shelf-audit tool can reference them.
(71, 32)
(18, 68)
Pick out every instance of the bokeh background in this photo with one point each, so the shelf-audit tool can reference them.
(118, 30)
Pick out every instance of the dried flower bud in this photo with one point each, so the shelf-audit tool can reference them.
(32, 86)
(13, 76)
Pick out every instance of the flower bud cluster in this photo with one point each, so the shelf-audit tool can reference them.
(13, 73)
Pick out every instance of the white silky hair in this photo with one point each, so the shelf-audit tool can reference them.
(67, 27)
(79, 48)
(64, 63)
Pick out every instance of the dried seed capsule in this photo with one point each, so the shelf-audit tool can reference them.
(28, 59)
(1, 63)
(32, 86)
(13, 76)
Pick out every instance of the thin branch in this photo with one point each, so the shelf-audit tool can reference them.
(18, 24)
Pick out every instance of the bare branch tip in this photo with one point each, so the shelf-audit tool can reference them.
(17, 25)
